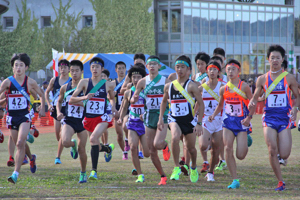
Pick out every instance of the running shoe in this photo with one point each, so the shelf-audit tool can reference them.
(125, 156)
(1, 137)
(166, 152)
(249, 138)
(194, 175)
(74, 151)
(82, 177)
(25, 161)
(185, 169)
(57, 161)
(234, 185)
(93, 175)
(108, 156)
(175, 174)
(221, 165)
(36, 132)
(205, 167)
(13, 178)
(282, 161)
(163, 181)
(30, 138)
(11, 162)
(134, 172)
(141, 179)
(280, 186)
(33, 164)
(141, 155)
(127, 147)
(210, 177)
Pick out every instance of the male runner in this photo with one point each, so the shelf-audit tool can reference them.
(153, 85)
(54, 86)
(135, 124)
(181, 119)
(18, 116)
(201, 61)
(236, 124)
(278, 111)
(96, 119)
(72, 122)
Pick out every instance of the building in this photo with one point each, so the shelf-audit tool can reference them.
(244, 28)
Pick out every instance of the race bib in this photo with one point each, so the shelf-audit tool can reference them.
(153, 101)
(17, 102)
(75, 111)
(210, 104)
(233, 109)
(8, 120)
(179, 107)
(137, 109)
(95, 106)
(277, 100)
(120, 99)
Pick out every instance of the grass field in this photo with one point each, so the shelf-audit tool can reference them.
(116, 182)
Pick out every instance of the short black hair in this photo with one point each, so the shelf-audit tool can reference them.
(153, 57)
(137, 68)
(105, 71)
(119, 63)
(219, 51)
(77, 63)
(276, 47)
(186, 59)
(284, 64)
(22, 57)
(216, 58)
(97, 59)
(202, 56)
(233, 61)
(139, 56)
(212, 62)
(64, 62)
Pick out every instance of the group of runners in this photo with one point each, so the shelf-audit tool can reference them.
(210, 105)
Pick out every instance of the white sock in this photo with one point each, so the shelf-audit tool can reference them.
(124, 151)
(206, 162)
(223, 161)
(126, 139)
(16, 173)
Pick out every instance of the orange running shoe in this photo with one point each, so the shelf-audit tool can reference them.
(163, 181)
(166, 152)
(205, 167)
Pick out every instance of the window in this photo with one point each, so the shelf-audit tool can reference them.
(88, 21)
(46, 22)
(163, 21)
(8, 22)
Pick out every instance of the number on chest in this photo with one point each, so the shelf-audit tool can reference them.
(179, 107)
(277, 100)
(17, 102)
(233, 109)
(95, 106)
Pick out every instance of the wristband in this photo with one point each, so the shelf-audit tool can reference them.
(199, 123)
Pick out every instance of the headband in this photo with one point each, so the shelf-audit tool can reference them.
(182, 62)
(63, 64)
(152, 59)
(233, 64)
(136, 72)
(97, 62)
(213, 66)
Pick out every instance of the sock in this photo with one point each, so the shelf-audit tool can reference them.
(82, 172)
(124, 151)
(163, 176)
(95, 156)
(105, 148)
(16, 173)
(193, 168)
(236, 180)
(126, 139)
(206, 162)
(223, 161)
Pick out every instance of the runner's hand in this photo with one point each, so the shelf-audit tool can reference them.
(59, 116)
(51, 109)
(211, 118)
(134, 99)
(142, 117)
(198, 130)
(293, 113)
(89, 96)
(129, 85)
(120, 122)
(42, 113)
(160, 125)
(251, 105)
(246, 121)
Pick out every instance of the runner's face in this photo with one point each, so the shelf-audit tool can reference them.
(182, 70)
(201, 66)
(275, 59)
(64, 70)
(19, 67)
(136, 61)
(96, 70)
(213, 73)
(104, 76)
(76, 72)
(121, 70)
(232, 71)
(135, 78)
(153, 67)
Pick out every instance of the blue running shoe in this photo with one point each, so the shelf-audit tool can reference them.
(82, 177)
(141, 155)
(74, 151)
(280, 186)
(234, 185)
(33, 164)
(108, 156)
(249, 140)
(57, 161)
(30, 138)
(25, 161)
(13, 178)
(93, 175)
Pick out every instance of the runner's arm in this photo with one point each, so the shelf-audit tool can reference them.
(2, 100)
(125, 103)
(81, 87)
(124, 86)
(199, 103)
(163, 106)
(4, 86)
(34, 86)
(294, 88)
(220, 105)
(111, 95)
(139, 87)
(49, 88)
(60, 100)
(257, 93)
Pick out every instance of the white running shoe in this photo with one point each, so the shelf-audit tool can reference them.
(210, 177)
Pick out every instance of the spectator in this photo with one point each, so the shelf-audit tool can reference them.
(251, 85)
